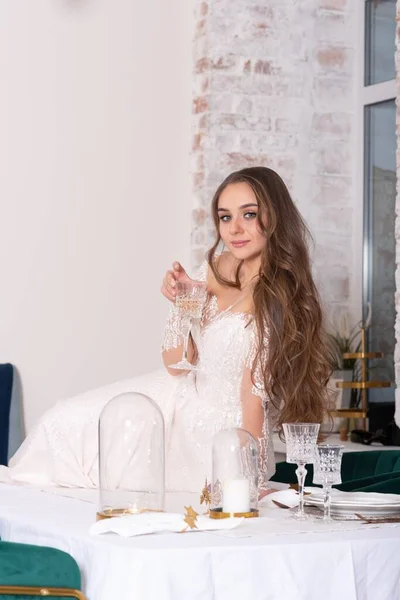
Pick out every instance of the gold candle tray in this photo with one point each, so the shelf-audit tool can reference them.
(218, 513)
(109, 513)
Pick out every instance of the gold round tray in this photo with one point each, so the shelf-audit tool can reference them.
(217, 513)
(122, 512)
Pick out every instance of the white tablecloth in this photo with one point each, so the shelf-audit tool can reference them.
(255, 563)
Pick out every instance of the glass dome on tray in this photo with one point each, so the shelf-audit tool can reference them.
(131, 456)
(234, 484)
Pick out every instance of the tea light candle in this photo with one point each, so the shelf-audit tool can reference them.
(236, 496)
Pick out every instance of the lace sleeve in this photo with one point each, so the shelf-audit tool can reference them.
(258, 389)
(173, 332)
(264, 459)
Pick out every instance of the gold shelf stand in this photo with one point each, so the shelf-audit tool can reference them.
(363, 385)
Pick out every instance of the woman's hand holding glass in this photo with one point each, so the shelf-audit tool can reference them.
(171, 278)
(189, 297)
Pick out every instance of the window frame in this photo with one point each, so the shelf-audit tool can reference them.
(367, 95)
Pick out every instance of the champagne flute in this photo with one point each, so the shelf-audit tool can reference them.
(301, 440)
(190, 299)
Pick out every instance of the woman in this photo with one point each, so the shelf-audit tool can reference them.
(259, 350)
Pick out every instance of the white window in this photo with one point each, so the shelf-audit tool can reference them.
(379, 183)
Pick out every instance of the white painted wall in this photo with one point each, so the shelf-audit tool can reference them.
(94, 187)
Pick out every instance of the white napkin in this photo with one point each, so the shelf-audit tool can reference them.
(289, 497)
(145, 523)
(277, 486)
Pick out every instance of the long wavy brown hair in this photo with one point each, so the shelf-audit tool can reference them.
(287, 309)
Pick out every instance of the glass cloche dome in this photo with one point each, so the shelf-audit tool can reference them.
(234, 484)
(131, 456)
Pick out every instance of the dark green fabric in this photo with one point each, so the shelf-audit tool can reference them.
(358, 465)
(374, 466)
(286, 473)
(357, 484)
(39, 566)
(390, 486)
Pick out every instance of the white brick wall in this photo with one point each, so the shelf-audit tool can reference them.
(274, 86)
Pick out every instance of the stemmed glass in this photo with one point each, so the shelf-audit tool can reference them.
(190, 299)
(327, 471)
(301, 439)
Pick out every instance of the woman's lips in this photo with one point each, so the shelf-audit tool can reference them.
(240, 243)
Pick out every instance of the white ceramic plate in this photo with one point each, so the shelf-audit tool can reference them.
(368, 504)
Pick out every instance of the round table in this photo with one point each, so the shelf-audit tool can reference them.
(264, 560)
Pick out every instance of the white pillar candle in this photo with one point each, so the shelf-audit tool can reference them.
(236, 496)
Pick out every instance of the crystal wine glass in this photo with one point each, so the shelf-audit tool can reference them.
(301, 439)
(190, 299)
(327, 471)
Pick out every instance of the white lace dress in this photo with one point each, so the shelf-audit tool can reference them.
(63, 448)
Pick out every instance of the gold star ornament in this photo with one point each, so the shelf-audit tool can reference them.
(205, 497)
(190, 517)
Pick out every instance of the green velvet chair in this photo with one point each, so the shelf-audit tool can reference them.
(359, 470)
(358, 484)
(27, 571)
(389, 486)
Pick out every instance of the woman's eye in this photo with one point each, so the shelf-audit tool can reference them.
(224, 218)
(250, 215)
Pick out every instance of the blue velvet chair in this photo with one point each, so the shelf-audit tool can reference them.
(6, 386)
(11, 430)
